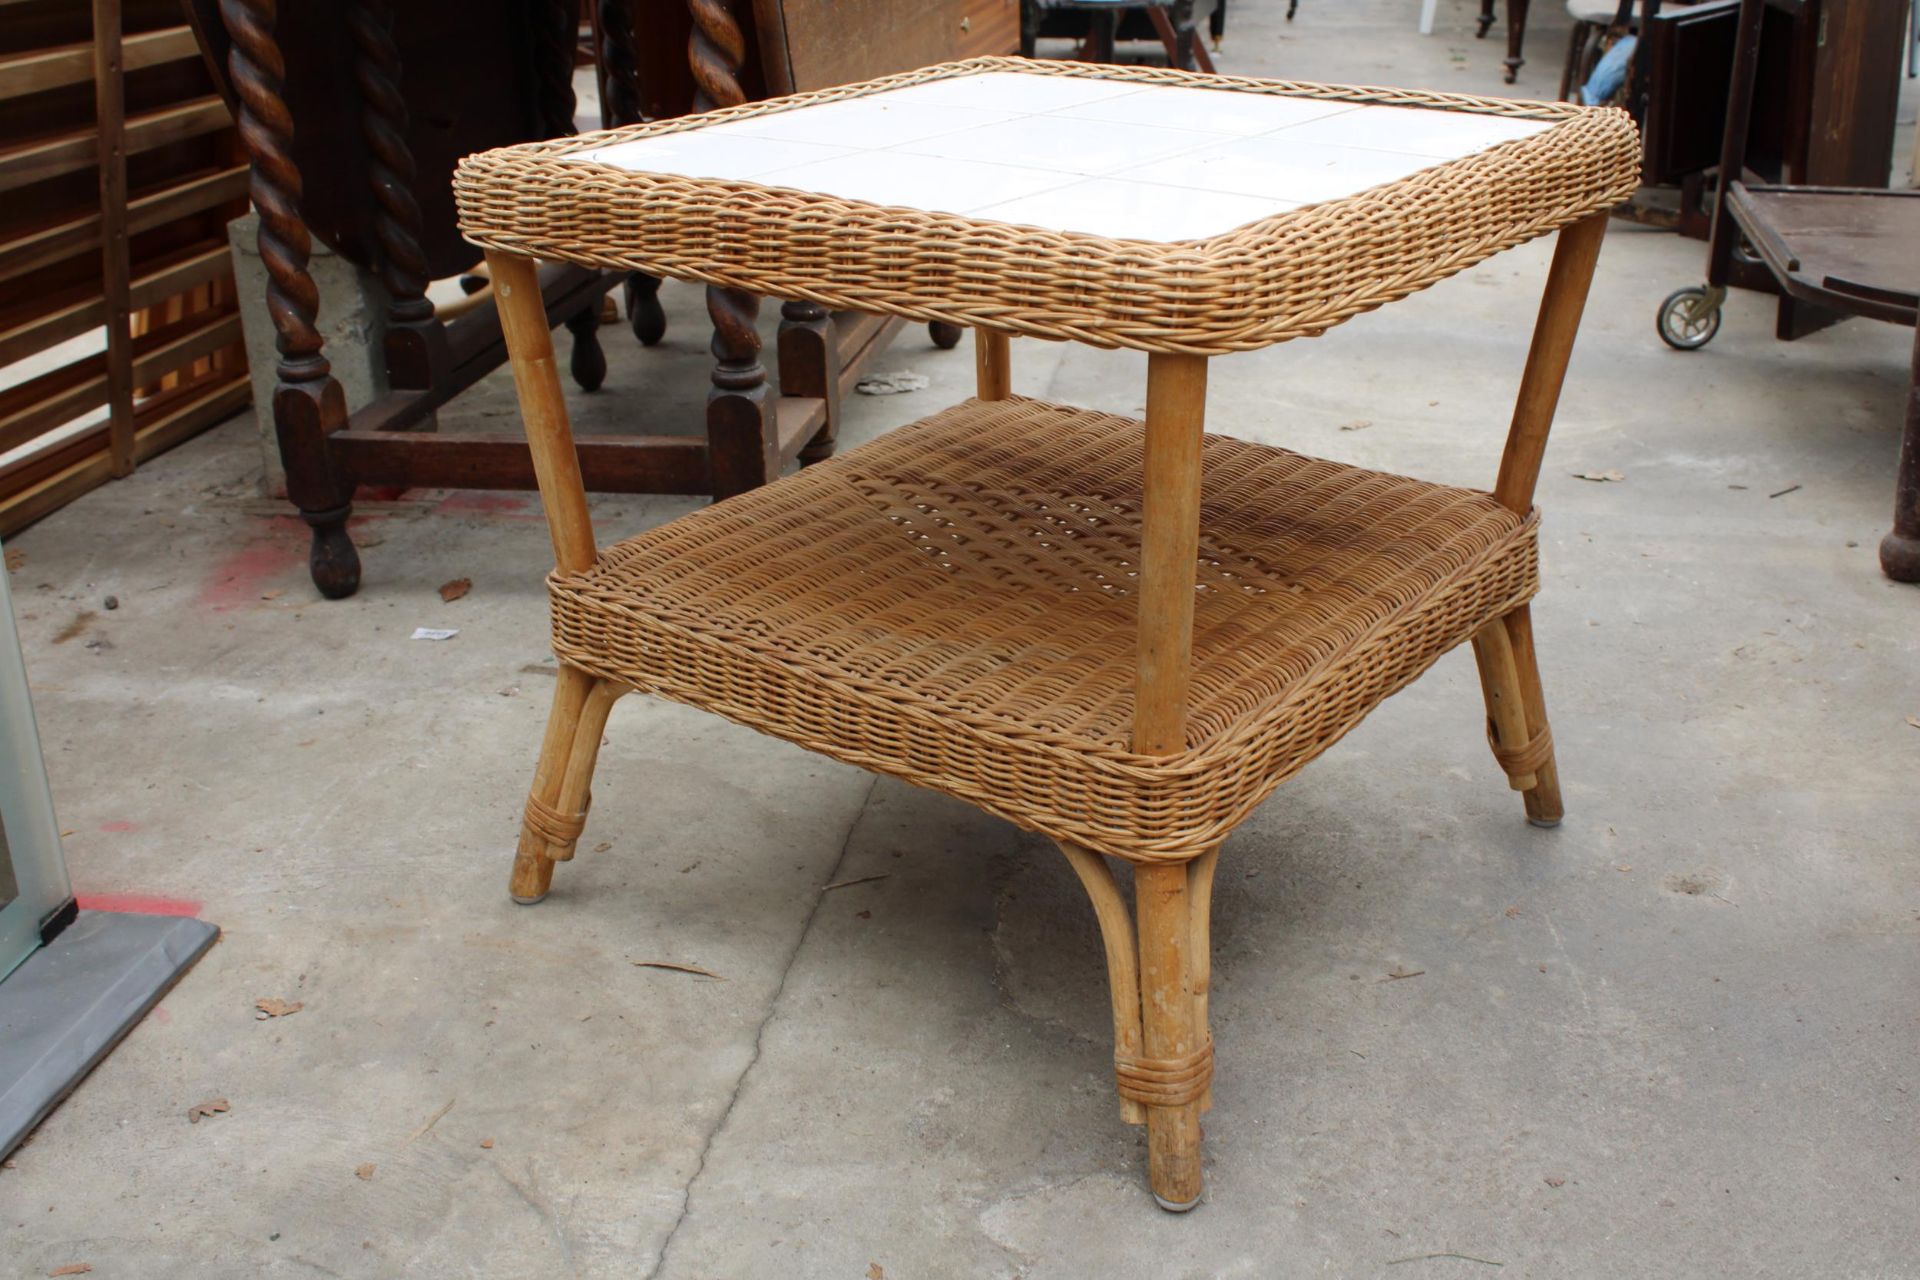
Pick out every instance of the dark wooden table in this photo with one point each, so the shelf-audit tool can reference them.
(1855, 252)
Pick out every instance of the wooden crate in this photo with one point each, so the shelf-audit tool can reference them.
(119, 170)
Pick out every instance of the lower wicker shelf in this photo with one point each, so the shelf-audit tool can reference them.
(953, 604)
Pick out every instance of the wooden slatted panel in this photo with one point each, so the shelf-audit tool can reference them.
(119, 332)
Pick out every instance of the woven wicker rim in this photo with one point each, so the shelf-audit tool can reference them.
(1289, 275)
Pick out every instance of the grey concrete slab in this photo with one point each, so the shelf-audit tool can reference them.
(72, 1000)
(1670, 1038)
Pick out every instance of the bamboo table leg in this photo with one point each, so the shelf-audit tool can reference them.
(556, 805)
(1172, 1075)
(992, 364)
(1509, 673)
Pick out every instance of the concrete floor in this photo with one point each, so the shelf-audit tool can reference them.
(1674, 1037)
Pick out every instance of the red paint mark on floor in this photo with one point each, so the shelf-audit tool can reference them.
(116, 826)
(139, 904)
(471, 502)
(279, 557)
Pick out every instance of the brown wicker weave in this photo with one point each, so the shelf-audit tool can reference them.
(1121, 634)
(1287, 276)
(952, 604)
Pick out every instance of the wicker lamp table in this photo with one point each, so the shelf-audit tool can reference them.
(1123, 635)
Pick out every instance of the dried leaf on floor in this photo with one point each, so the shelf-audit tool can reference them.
(1914, 721)
(1397, 972)
(72, 1269)
(1512, 912)
(1358, 424)
(15, 558)
(679, 968)
(274, 594)
(486, 1144)
(451, 591)
(876, 1272)
(1603, 477)
(603, 846)
(1555, 1181)
(211, 1107)
(270, 1007)
(364, 1172)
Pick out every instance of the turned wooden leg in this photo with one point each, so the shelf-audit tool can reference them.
(1516, 36)
(644, 312)
(308, 404)
(1101, 28)
(1900, 549)
(589, 363)
(809, 356)
(1171, 1077)
(743, 447)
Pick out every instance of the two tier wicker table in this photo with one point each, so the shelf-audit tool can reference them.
(1124, 635)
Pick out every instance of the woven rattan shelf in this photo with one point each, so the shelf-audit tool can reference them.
(954, 604)
(1124, 634)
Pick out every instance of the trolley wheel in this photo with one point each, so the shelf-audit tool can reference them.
(1689, 318)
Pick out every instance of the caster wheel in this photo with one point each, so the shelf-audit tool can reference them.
(945, 336)
(1689, 318)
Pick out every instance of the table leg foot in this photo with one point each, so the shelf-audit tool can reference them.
(1900, 557)
(1173, 1077)
(1517, 726)
(557, 804)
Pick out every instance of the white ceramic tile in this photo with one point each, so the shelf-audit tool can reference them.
(700, 153)
(1011, 91)
(1276, 167)
(1133, 210)
(1207, 110)
(915, 182)
(1421, 131)
(861, 122)
(1056, 143)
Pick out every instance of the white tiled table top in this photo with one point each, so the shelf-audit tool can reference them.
(1106, 157)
